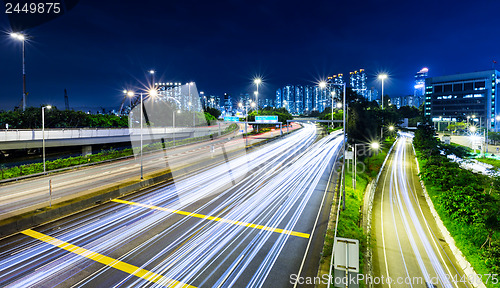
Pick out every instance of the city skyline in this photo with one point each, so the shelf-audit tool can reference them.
(222, 47)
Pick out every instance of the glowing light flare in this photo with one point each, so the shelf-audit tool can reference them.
(18, 36)
(153, 92)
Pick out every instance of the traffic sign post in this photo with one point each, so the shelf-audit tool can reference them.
(266, 119)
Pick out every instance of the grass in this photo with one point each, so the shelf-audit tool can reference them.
(350, 220)
(494, 162)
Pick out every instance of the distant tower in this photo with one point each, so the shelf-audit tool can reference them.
(357, 80)
(420, 86)
(66, 100)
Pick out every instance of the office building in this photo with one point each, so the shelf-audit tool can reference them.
(455, 97)
(419, 87)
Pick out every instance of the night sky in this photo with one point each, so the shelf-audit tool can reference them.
(101, 47)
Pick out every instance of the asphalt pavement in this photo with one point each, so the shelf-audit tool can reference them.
(34, 193)
(247, 222)
(409, 247)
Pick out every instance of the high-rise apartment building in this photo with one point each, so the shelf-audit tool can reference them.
(357, 81)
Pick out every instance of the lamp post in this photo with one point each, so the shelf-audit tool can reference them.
(152, 72)
(322, 86)
(191, 103)
(173, 116)
(382, 77)
(22, 37)
(256, 100)
(257, 82)
(152, 93)
(43, 133)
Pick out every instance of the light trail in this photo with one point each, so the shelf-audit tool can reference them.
(400, 192)
(270, 186)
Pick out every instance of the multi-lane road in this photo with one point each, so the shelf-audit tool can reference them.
(30, 194)
(247, 222)
(409, 247)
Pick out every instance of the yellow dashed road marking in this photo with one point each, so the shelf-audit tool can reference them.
(117, 264)
(212, 218)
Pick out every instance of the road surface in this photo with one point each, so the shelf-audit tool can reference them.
(409, 247)
(247, 222)
(33, 193)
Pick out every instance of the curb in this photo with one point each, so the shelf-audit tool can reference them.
(462, 261)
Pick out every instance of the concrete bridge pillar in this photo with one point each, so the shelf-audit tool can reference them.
(86, 150)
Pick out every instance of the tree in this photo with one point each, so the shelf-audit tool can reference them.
(214, 112)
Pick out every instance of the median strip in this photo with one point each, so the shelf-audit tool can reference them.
(108, 261)
(213, 218)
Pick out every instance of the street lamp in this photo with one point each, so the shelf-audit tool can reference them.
(382, 77)
(43, 133)
(173, 116)
(333, 94)
(257, 82)
(151, 93)
(152, 72)
(22, 37)
(190, 102)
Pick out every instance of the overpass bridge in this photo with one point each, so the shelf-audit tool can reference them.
(32, 139)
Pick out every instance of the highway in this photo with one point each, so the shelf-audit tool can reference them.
(247, 222)
(409, 247)
(31, 194)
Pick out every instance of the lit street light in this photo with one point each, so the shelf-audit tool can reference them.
(375, 146)
(382, 77)
(151, 93)
(257, 82)
(43, 133)
(22, 37)
(190, 102)
(152, 72)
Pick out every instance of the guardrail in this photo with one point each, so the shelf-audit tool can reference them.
(52, 134)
